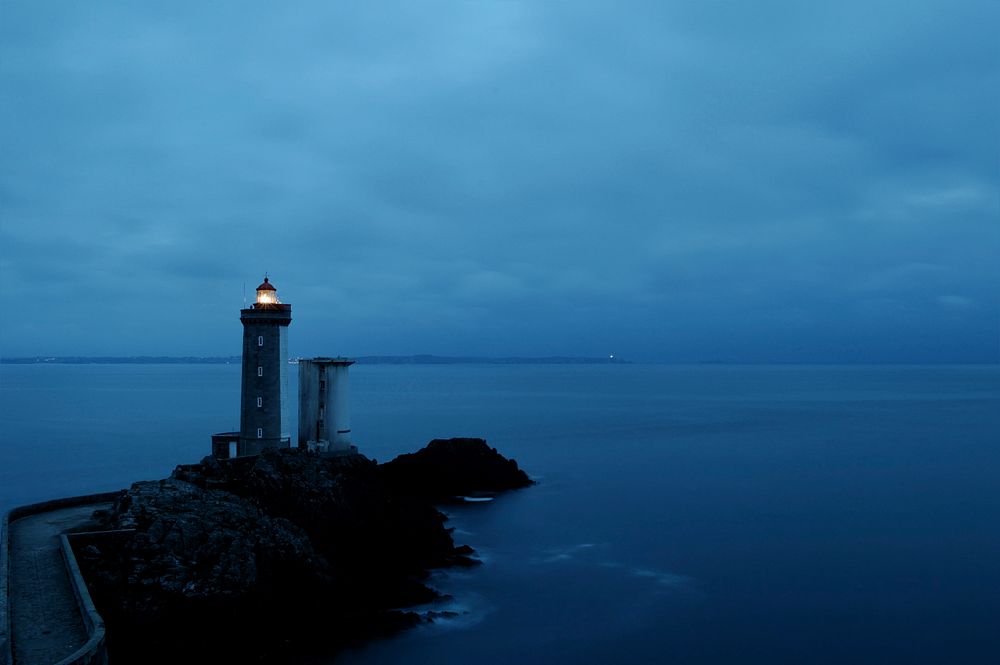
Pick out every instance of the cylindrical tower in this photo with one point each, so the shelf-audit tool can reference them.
(324, 416)
(340, 423)
(264, 418)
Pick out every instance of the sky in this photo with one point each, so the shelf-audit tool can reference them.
(664, 181)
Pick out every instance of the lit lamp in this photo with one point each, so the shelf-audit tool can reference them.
(267, 294)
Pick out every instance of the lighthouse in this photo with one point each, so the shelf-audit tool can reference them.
(264, 421)
(264, 409)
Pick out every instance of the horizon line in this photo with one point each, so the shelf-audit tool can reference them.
(431, 359)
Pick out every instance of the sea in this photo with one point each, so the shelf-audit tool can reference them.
(690, 514)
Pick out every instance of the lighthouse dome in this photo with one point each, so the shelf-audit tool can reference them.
(267, 295)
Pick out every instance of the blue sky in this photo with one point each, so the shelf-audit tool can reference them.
(666, 181)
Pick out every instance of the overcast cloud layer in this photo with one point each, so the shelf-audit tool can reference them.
(676, 181)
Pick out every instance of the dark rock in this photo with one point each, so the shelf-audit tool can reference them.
(343, 504)
(199, 562)
(448, 468)
(432, 616)
(316, 551)
(192, 542)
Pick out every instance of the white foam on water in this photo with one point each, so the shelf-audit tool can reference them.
(463, 613)
(670, 580)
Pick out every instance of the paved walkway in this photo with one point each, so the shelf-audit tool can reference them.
(46, 625)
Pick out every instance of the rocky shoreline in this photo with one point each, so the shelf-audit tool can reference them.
(281, 556)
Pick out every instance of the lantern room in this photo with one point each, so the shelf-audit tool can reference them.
(267, 294)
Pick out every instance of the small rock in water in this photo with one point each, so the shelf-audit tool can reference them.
(454, 467)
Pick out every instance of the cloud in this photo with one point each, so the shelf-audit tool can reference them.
(956, 302)
(577, 175)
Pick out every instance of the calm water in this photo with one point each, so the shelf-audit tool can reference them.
(705, 514)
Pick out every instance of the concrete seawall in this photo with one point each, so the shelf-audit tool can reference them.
(93, 652)
(5, 655)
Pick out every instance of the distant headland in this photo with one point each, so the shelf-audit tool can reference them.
(420, 359)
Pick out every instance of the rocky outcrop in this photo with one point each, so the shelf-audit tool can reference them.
(269, 557)
(190, 542)
(448, 468)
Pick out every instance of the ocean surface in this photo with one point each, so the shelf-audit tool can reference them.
(684, 514)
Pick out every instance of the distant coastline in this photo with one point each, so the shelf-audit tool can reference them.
(421, 359)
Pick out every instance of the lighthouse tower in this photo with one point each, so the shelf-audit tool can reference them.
(264, 413)
(264, 416)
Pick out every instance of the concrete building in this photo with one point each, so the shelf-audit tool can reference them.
(264, 408)
(324, 414)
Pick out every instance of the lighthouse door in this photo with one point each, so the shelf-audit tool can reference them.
(232, 449)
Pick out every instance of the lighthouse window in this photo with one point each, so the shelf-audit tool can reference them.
(260, 432)
(260, 371)
(260, 402)
(260, 340)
